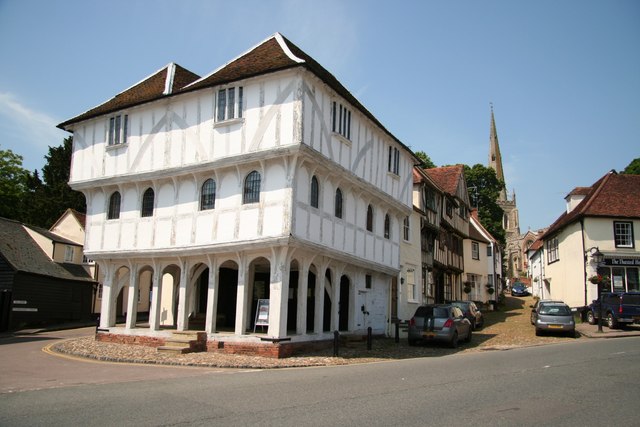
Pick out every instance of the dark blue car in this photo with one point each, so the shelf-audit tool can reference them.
(519, 290)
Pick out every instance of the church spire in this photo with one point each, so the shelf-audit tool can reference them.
(495, 159)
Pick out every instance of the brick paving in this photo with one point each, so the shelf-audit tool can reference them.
(509, 327)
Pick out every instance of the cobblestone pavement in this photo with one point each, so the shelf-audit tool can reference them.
(506, 328)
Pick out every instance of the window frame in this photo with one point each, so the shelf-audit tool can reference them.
(339, 204)
(393, 164)
(314, 193)
(148, 203)
(626, 234)
(113, 208)
(406, 229)
(69, 253)
(387, 227)
(475, 250)
(341, 120)
(553, 252)
(229, 104)
(251, 188)
(369, 224)
(117, 130)
(208, 199)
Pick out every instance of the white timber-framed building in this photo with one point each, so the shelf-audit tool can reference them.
(264, 180)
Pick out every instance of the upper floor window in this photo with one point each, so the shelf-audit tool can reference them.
(394, 160)
(251, 193)
(341, 120)
(475, 250)
(147, 203)
(118, 127)
(114, 206)
(623, 234)
(315, 196)
(430, 198)
(489, 250)
(369, 218)
(367, 281)
(229, 104)
(387, 227)
(208, 195)
(449, 209)
(552, 250)
(406, 229)
(69, 253)
(338, 203)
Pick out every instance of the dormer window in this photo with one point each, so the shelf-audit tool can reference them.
(118, 127)
(341, 120)
(394, 161)
(229, 104)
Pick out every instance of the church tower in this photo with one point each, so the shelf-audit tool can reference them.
(510, 221)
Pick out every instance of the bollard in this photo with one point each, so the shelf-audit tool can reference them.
(397, 332)
(369, 338)
(336, 343)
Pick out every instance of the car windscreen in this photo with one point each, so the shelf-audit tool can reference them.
(555, 310)
(430, 311)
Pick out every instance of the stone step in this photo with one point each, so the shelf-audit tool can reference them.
(174, 350)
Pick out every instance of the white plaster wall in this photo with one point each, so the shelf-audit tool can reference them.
(567, 275)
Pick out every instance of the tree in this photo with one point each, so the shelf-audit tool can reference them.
(13, 184)
(633, 168)
(484, 188)
(426, 160)
(56, 193)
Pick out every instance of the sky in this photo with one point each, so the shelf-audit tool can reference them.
(563, 76)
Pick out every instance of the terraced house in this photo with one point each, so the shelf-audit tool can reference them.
(262, 204)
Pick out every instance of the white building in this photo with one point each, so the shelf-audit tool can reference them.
(603, 216)
(483, 262)
(264, 180)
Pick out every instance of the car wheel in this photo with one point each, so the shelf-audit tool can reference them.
(591, 318)
(538, 332)
(611, 321)
(454, 341)
(473, 325)
(469, 335)
(412, 342)
(533, 322)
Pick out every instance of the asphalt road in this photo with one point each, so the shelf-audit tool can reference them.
(580, 382)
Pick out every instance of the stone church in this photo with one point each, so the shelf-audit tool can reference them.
(516, 243)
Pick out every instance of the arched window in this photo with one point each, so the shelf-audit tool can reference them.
(147, 203)
(338, 207)
(208, 195)
(114, 206)
(314, 192)
(251, 193)
(387, 226)
(369, 218)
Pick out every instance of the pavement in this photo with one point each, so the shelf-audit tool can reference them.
(591, 331)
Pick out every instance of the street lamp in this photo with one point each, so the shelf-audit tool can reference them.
(598, 258)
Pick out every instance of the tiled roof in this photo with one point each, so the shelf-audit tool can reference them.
(579, 191)
(24, 254)
(613, 195)
(447, 177)
(163, 82)
(274, 54)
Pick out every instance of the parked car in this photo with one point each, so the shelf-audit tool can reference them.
(618, 308)
(538, 303)
(555, 317)
(439, 322)
(519, 290)
(471, 312)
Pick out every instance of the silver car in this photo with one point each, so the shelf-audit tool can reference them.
(555, 317)
(439, 322)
